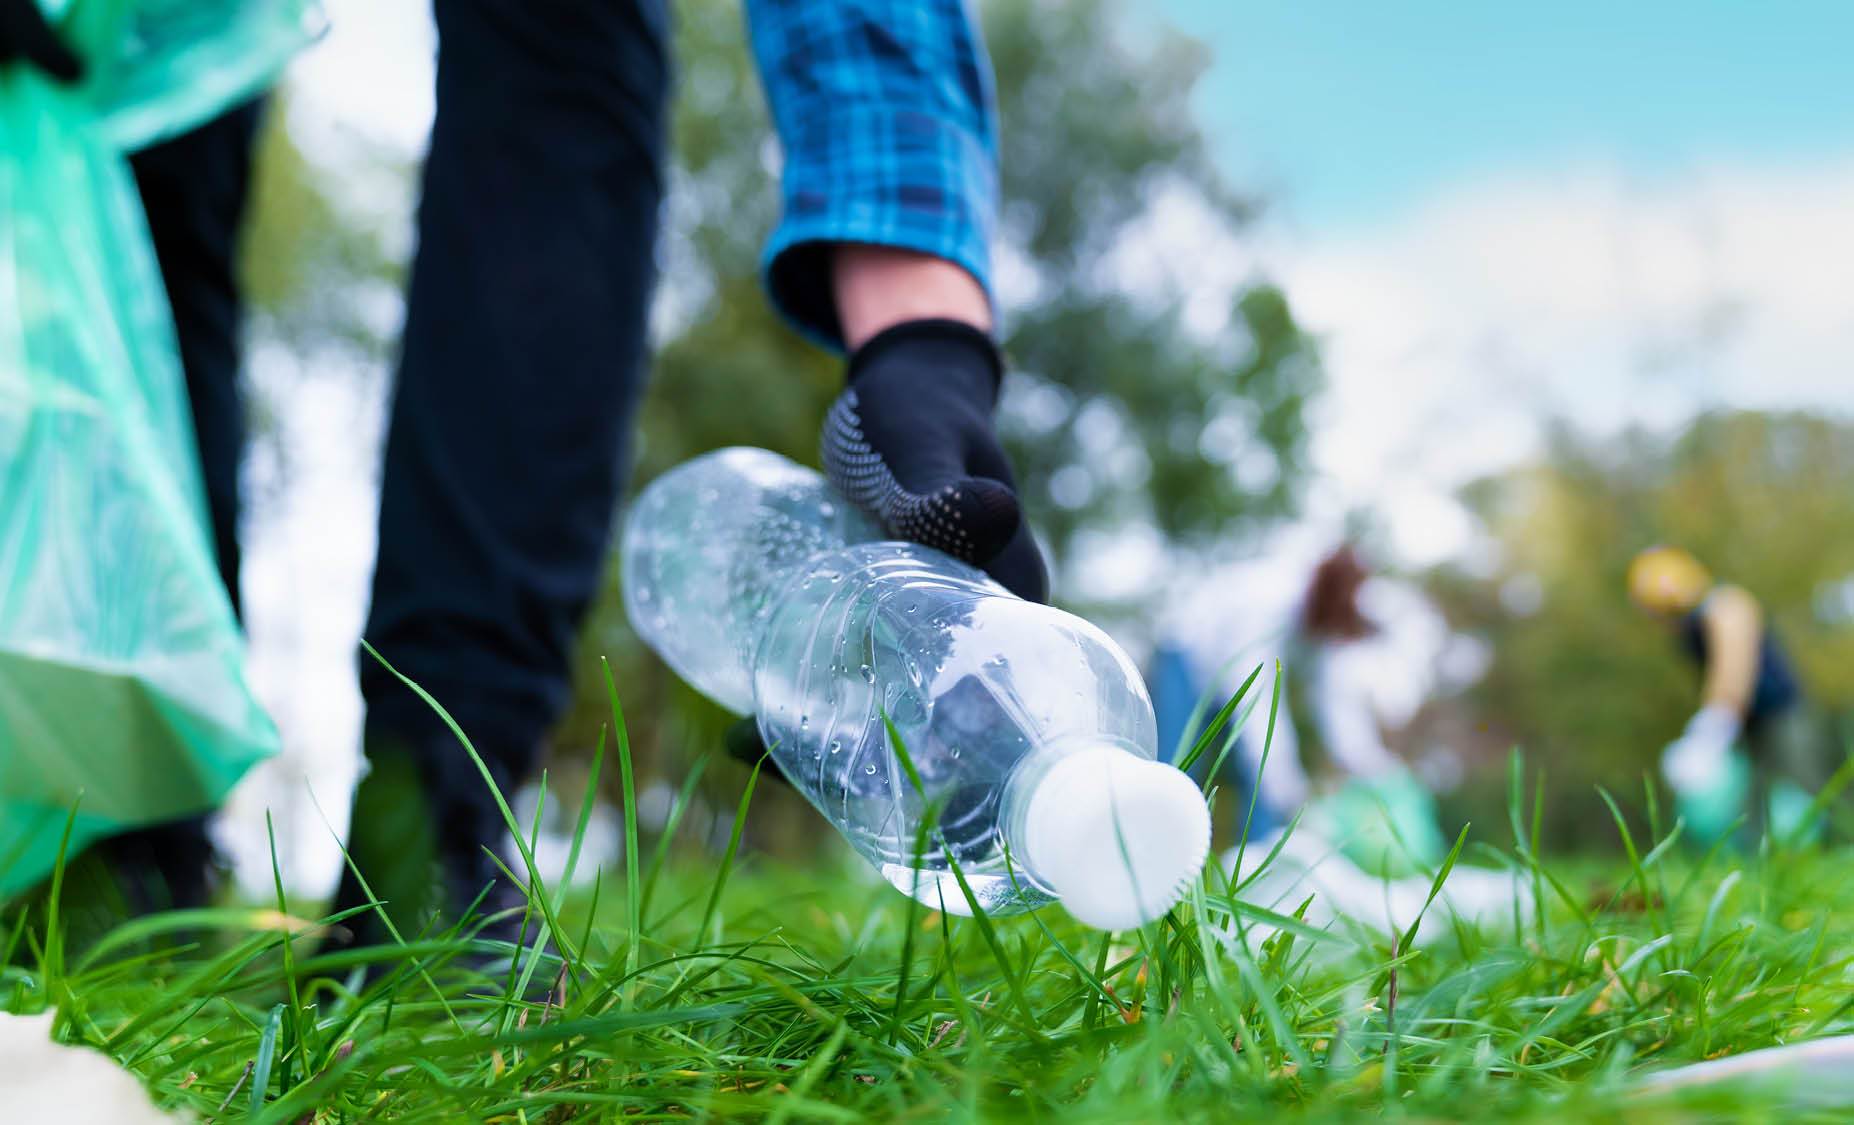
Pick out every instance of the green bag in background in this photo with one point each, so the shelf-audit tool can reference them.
(122, 691)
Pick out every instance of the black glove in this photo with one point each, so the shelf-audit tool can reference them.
(910, 441)
(25, 36)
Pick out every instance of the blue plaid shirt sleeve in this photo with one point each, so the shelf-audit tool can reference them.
(885, 114)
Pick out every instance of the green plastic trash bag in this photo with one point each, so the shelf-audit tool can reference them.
(122, 693)
(1791, 814)
(1386, 824)
(1711, 806)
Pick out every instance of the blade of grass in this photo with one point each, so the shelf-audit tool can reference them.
(908, 925)
(379, 909)
(1231, 739)
(53, 960)
(304, 1027)
(727, 857)
(266, 1056)
(1205, 740)
(990, 934)
(900, 748)
(1638, 870)
(814, 1070)
(1098, 987)
(632, 884)
(536, 885)
(979, 915)
(1268, 742)
(660, 856)
(588, 802)
(1435, 888)
(1829, 794)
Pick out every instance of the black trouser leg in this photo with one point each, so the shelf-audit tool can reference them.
(521, 371)
(193, 190)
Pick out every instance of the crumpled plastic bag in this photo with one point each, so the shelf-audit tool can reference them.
(122, 693)
(48, 1081)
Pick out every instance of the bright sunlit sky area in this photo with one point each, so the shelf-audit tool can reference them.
(1349, 113)
(1496, 213)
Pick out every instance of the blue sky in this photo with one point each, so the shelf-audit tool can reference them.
(1343, 112)
(1491, 214)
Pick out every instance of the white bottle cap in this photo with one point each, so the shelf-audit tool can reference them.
(1117, 837)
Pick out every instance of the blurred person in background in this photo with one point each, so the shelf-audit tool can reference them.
(1749, 695)
(1349, 673)
(523, 361)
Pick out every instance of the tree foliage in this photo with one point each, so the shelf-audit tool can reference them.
(1592, 689)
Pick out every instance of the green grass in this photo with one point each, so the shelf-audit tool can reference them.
(696, 987)
(791, 998)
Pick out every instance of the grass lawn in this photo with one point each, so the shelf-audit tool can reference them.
(770, 993)
(673, 988)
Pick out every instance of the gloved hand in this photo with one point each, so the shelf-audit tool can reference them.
(1710, 779)
(1696, 759)
(26, 37)
(910, 441)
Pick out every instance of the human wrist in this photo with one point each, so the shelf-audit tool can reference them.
(962, 359)
(879, 287)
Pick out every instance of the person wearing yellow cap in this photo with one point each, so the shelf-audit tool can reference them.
(1749, 694)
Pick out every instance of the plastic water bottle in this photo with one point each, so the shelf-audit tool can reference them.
(1028, 732)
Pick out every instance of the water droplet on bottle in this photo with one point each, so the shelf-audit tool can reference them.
(870, 768)
(804, 722)
(836, 745)
(868, 674)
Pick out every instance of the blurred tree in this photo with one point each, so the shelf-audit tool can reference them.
(309, 267)
(1590, 688)
(322, 284)
(1121, 410)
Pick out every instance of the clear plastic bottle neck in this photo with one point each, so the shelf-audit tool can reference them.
(1026, 776)
(1114, 836)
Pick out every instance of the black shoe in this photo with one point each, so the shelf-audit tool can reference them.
(422, 847)
(171, 866)
(133, 874)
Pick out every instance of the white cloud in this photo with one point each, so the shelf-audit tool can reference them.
(1453, 331)
(372, 74)
(1182, 247)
